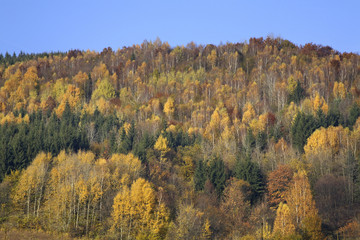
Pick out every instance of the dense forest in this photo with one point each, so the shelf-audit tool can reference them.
(253, 140)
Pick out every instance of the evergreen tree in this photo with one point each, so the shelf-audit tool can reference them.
(67, 132)
(199, 176)
(248, 171)
(297, 95)
(19, 149)
(112, 142)
(261, 141)
(131, 135)
(303, 126)
(52, 139)
(250, 141)
(354, 114)
(334, 118)
(321, 118)
(217, 174)
(88, 88)
(140, 149)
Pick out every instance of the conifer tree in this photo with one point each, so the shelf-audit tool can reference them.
(200, 176)
(248, 171)
(217, 174)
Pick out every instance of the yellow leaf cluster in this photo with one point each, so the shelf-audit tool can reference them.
(169, 107)
(10, 118)
(291, 84)
(339, 90)
(259, 125)
(326, 140)
(301, 205)
(72, 97)
(100, 71)
(136, 214)
(28, 194)
(283, 224)
(319, 103)
(162, 146)
(249, 113)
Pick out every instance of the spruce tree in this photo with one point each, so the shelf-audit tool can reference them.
(146, 142)
(303, 126)
(297, 95)
(199, 176)
(217, 174)
(249, 171)
(354, 114)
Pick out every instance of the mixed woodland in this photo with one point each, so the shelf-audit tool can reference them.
(252, 140)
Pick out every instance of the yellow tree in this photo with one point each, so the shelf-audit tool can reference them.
(104, 89)
(259, 125)
(323, 146)
(169, 108)
(103, 106)
(249, 113)
(162, 146)
(339, 90)
(10, 87)
(212, 130)
(72, 97)
(137, 213)
(283, 224)
(227, 146)
(120, 164)
(74, 192)
(59, 89)
(29, 193)
(302, 207)
(190, 223)
(212, 58)
(80, 79)
(319, 103)
(100, 71)
(30, 81)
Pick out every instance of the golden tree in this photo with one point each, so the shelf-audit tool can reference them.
(283, 224)
(136, 213)
(339, 90)
(162, 146)
(190, 223)
(302, 207)
(324, 145)
(29, 193)
(169, 108)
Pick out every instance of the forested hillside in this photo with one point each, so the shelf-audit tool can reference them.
(256, 140)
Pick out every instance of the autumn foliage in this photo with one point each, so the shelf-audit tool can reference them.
(253, 140)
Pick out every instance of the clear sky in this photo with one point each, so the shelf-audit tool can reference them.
(52, 25)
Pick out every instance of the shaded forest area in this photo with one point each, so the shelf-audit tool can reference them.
(253, 140)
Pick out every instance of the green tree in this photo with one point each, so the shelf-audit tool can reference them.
(297, 95)
(250, 172)
(354, 114)
(303, 126)
(146, 142)
(217, 174)
(200, 176)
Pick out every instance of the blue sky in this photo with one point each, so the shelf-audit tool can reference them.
(52, 25)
